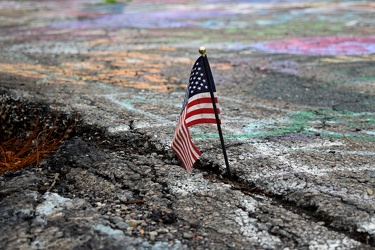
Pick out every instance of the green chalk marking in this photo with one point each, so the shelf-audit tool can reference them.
(231, 30)
(299, 124)
(297, 28)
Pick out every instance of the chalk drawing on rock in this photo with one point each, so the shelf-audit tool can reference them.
(321, 46)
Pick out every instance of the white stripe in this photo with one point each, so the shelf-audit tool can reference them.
(200, 116)
(201, 95)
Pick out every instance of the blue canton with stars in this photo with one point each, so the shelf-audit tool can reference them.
(198, 81)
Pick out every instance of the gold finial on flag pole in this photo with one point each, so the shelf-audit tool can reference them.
(202, 50)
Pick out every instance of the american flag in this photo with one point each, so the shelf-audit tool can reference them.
(197, 109)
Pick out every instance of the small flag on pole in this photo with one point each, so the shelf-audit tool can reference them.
(197, 109)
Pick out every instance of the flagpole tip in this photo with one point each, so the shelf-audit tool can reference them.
(202, 50)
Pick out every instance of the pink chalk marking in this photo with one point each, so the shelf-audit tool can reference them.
(321, 46)
(262, 68)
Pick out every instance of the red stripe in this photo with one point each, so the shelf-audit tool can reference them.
(186, 156)
(183, 146)
(180, 148)
(191, 148)
(185, 140)
(182, 155)
(200, 100)
(182, 140)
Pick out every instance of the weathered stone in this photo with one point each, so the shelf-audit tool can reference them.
(187, 235)
(132, 223)
(153, 235)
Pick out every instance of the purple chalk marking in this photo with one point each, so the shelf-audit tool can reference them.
(146, 19)
(320, 46)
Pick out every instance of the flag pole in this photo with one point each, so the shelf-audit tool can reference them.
(202, 51)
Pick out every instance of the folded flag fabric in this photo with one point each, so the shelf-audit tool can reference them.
(196, 109)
